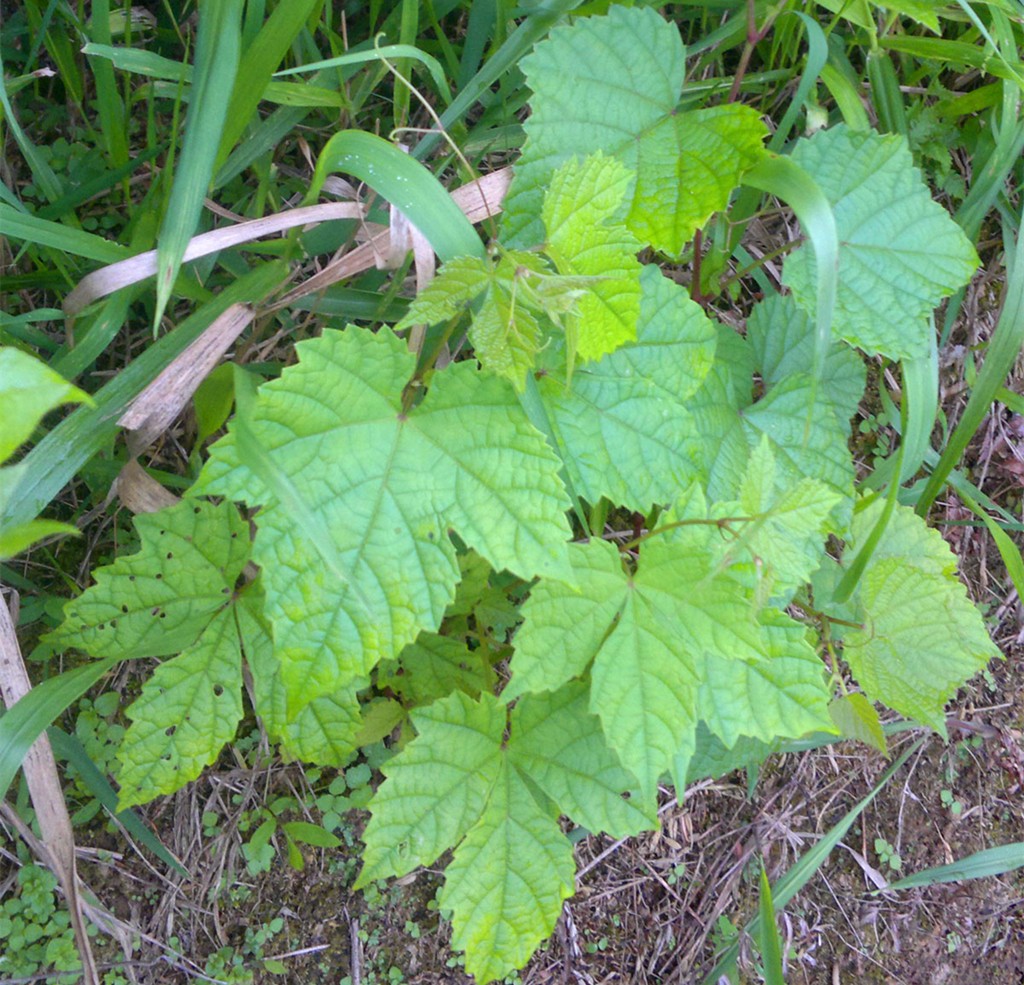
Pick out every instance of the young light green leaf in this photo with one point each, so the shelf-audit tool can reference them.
(504, 331)
(583, 211)
(507, 880)
(187, 710)
(678, 188)
(791, 520)
(623, 426)
(158, 601)
(559, 745)
(922, 637)
(900, 253)
(856, 718)
(598, 84)
(437, 786)
(388, 484)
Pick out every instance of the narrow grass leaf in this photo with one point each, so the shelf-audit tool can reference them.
(1003, 349)
(771, 946)
(217, 55)
(809, 863)
(42, 232)
(257, 65)
(406, 184)
(22, 724)
(990, 862)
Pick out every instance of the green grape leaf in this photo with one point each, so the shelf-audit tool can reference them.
(791, 520)
(437, 786)
(29, 389)
(559, 745)
(900, 253)
(505, 332)
(807, 437)
(433, 667)
(712, 759)
(623, 426)
(649, 635)
(687, 167)
(507, 880)
(158, 601)
(585, 236)
(188, 710)
(563, 627)
(922, 637)
(782, 340)
(611, 84)
(781, 696)
(458, 283)
(856, 718)
(326, 730)
(383, 486)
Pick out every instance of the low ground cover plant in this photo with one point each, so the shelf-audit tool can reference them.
(553, 528)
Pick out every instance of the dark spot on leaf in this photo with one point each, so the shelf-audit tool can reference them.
(218, 690)
(225, 591)
(113, 624)
(626, 795)
(162, 532)
(124, 609)
(234, 535)
(170, 554)
(430, 535)
(159, 577)
(197, 510)
(402, 416)
(131, 577)
(102, 626)
(170, 730)
(155, 611)
(163, 615)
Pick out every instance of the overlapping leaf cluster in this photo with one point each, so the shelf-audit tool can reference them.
(389, 529)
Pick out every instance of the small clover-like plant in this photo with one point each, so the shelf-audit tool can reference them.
(676, 501)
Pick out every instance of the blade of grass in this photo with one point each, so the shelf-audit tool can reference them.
(51, 464)
(262, 56)
(1003, 348)
(1008, 550)
(216, 65)
(42, 232)
(108, 100)
(21, 725)
(405, 52)
(784, 178)
(771, 946)
(68, 748)
(406, 184)
(980, 865)
(804, 870)
(42, 173)
(529, 32)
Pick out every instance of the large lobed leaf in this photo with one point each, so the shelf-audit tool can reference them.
(611, 84)
(922, 638)
(382, 487)
(900, 253)
(174, 596)
(622, 423)
(458, 784)
(685, 621)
